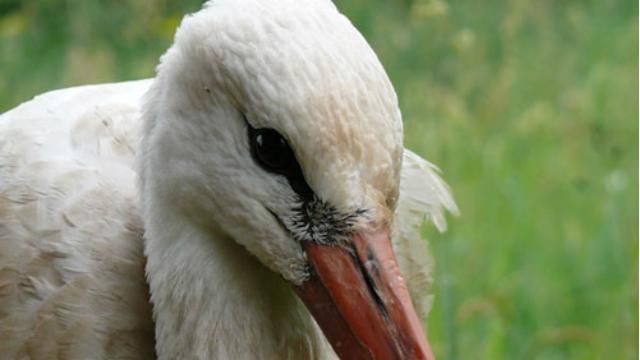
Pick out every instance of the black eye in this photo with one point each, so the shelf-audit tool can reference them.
(271, 150)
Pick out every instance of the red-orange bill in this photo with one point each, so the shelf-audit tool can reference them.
(358, 297)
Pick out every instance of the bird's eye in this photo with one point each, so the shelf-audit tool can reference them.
(271, 150)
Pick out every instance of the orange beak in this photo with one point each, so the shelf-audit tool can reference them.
(358, 297)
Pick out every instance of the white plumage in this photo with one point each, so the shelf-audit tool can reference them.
(86, 171)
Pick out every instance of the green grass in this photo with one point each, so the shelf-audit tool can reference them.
(531, 110)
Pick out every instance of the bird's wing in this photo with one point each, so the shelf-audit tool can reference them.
(71, 255)
(423, 196)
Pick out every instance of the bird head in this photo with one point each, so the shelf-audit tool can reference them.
(275, 123)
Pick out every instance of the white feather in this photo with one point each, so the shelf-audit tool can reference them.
(423, 196)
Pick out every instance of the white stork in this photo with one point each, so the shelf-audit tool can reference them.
(242, 204)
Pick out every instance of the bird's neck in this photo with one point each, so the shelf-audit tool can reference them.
(212, 299)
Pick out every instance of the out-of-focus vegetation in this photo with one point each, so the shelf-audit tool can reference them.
(529, 107)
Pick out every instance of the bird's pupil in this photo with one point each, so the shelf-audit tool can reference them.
(271, 150)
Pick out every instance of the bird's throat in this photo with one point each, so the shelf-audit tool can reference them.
(212, 299)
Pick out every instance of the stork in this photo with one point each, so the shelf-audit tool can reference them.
(253, 200)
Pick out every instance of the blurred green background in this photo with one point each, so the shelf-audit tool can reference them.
(529, 107)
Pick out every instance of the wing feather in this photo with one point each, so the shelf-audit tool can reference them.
(71, 260)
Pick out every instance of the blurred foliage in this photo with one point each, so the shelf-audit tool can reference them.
(531, 110)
